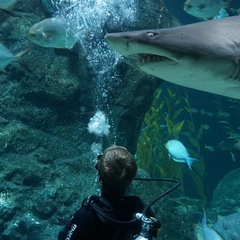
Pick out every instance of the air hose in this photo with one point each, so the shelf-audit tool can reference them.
(98, 209)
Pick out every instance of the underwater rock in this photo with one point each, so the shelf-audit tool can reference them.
(18, 138)
(226, 195)
(178, 215)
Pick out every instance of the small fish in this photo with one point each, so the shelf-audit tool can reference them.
(6, 57)
(54, 33)
(7, 4)
(209, 114)
(224, 122)
(233, 107)
(179, 153)
(206, 127)
(233, 157)
(203, 112)
(222, 114)
(208, 233)
(186, 133)
(205, 9)
(210, 148)
(194, 110)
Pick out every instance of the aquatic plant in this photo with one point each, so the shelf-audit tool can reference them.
(165, 121)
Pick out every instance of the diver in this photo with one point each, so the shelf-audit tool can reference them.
(110, 216)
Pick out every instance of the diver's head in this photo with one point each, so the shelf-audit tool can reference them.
(116, 169)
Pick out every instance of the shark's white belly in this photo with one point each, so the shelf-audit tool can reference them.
(209, 75)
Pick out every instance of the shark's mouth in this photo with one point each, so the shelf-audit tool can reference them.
(143, 58)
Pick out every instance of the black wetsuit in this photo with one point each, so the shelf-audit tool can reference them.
(85, 224)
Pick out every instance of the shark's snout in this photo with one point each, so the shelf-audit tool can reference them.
(118, 42)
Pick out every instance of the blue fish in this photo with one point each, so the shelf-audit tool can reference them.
(6, 57)
(179, 153)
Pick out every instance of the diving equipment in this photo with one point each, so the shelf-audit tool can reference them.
(150, 227)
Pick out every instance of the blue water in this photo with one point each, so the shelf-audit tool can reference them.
(176, 9)
(200, 100)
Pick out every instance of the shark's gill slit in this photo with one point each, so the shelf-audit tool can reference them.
(235, 73)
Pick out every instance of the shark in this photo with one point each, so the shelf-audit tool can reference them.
(204, 56)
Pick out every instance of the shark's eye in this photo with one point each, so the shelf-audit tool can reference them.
(151, 35)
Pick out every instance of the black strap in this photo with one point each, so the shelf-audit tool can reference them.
(104, 210)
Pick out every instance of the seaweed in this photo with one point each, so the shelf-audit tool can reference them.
(170, 117)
